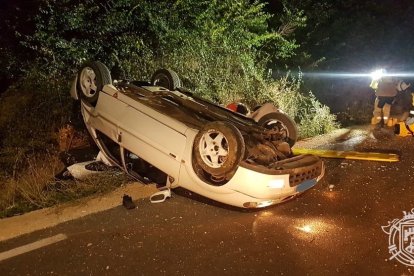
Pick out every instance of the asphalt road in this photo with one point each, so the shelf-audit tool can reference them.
(335, 228)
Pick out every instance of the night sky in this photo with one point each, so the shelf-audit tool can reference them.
(358, 36)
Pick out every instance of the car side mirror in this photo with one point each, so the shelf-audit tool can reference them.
(161, 196)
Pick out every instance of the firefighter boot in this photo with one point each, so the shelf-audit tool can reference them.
(375, 120)
(386, 110)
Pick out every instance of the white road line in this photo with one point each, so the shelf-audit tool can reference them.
(31, 246)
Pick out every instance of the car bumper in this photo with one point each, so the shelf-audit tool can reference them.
(251, 189)
(282, 197)
(265, 202)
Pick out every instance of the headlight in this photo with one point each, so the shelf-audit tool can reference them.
(276, 184)
(378, 74)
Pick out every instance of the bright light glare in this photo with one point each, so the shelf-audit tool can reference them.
(276, 184)
(377, 74)
(347, 75)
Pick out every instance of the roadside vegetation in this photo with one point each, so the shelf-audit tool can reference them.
(222, 50)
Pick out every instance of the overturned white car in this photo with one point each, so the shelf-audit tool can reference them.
(180, 140)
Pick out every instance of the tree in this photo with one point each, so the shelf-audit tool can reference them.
(220, 48)
(214, 45)
(16, 18)
(356, 34)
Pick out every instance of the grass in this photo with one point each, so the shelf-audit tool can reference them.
(36, 187)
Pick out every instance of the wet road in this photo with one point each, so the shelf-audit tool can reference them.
(334, 228)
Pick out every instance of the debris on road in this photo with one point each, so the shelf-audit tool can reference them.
(83, 170)
(373, 156)
(127, 202)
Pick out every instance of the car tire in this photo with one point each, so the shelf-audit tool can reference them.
(91, 79)
(166, 78)
(283, 123)
(218, 149)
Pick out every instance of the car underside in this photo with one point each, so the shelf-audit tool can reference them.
(261, 144)
(168, 134)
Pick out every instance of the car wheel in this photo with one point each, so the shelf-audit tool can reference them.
(166, 78)
(91, 79)
(282, 123)
(218, 149)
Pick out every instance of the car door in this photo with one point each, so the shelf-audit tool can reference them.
(154, 137)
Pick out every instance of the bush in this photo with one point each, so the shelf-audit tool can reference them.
(312, 117)
(31, 113)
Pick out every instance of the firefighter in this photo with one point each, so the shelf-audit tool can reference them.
(402, 104)
(386, 88)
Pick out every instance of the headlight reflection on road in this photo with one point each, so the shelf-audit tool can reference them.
(331, 195)
(266, 221)
(306, 228)
(318, 232)
(312, 227)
